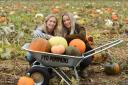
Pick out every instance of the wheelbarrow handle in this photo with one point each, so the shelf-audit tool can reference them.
(100, 49)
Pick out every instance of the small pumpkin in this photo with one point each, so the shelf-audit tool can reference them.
(3, 19)
(58, 49)
(112, 68)
(100, 57)
(40, 44)
(71, 50)
(109, 10)
(55, 10)
(24, 80)
(115, 17)
(78, 43)
(126, 20)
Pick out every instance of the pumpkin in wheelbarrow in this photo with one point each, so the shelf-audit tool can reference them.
(24, 80)
(73, 51)
(58, 49)
(40, 44)
(78, 43)
(57, 40)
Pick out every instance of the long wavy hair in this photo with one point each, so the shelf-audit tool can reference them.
(45, 22)
(73, 21)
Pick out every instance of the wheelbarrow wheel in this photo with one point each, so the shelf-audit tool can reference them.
(40, 75)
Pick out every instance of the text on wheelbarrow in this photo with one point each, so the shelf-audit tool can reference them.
(54, 59)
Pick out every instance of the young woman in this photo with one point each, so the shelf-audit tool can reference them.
(45, 30)
(69, 28)
(48, 29)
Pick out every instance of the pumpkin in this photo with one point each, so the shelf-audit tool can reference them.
(3, 19)
(126, 20)
(78, 43)
(56, 40)
(58, 49)
(25, 81)
(108, 10)
(115, 17)
(112, 68)
(100, 57)
(40, 44)
(71, 50)
(55, 10)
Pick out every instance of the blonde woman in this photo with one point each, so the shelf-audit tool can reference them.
(70, 27)
(48, 29)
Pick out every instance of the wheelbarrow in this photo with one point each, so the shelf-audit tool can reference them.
(56, 61)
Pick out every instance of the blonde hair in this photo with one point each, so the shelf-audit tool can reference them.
(45, 21)
(73, 21)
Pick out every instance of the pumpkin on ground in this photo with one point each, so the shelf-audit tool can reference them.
(100, 57)
(40, 44)
(115, 17)
(78, 43)
(26, 81)
(55, 10)
(71, 50)
(58, 49)
(112, 68)
(58, 41)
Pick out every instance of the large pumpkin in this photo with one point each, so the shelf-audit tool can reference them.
(71, 50)
(112, 68)
(58, 41)
(26, 81)
(58, 49)
(40, 44)
(78, 43)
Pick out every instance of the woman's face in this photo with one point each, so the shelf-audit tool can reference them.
(66, 21)
(51, 23)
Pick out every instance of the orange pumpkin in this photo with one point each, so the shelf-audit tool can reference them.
(115, 17)
(58, 49)
(55, 10)
(109, 10)
(126, 20)
(26, 81)
(3, 19)
(79, 44)
(40, 44)
(112, 68)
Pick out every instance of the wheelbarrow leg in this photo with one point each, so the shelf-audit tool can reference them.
(61, 74)
(76, 75)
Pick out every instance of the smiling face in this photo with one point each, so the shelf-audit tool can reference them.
(50, 24)
(66, 21)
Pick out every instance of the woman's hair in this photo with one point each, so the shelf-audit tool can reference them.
(45, 22)
(73, 21)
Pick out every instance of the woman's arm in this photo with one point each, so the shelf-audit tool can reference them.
(39, 33)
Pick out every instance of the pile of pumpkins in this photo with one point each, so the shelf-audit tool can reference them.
(59, 45)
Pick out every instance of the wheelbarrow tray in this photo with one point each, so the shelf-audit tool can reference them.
(53, 60)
